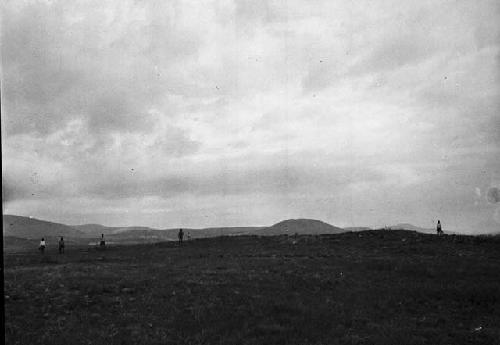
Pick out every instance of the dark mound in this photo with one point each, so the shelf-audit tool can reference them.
(301, 227)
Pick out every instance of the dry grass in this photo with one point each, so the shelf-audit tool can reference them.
(374, 287)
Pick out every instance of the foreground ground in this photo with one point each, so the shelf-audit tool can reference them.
(374, 287)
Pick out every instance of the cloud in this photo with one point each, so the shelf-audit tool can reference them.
(341, 111)
(11, 194)
(94, 63)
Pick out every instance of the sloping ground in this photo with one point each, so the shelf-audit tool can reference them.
(374, 287)
(31, 228)
(299, 226)
(12, 244)
(411, 227)
(16, 244)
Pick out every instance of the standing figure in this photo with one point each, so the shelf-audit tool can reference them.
(189, 236)
(61, 245)
(42, 245)
(438, 228)
(102, 244)
(181, 236)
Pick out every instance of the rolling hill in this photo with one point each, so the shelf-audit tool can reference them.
(411, 227)
(31, 228)
(94, 229)
(222, 231)
(98, 229)
(25, 227)
(299, 226)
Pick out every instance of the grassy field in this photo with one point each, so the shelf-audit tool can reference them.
(372, 287)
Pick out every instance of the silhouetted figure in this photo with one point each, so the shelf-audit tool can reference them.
(181, 236)
(102, 244)
(42, 245)
(61, 245)
(438, 228)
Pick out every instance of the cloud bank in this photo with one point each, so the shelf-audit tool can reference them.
(249, 112)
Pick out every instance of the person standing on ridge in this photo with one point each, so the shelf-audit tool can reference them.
(102, 244)
(181, 236)
(438, 228)
(61, 246)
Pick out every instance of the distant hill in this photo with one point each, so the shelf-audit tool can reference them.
(151, 235)
(357, 228)
(94, 229)
(411, 227)
(227, 231)
(32, 228)
(97, 229)
(299, 226)
(136, 234)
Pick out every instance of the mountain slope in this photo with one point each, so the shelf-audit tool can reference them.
(32, 228)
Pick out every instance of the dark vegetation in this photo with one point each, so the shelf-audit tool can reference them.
(369, 287)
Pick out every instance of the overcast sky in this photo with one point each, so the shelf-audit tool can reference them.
(228, 113)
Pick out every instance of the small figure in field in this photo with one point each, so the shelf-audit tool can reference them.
(189, 236)
(42, 245)
(438, 228)
(61, 246)
(102, 244)
(181, 236)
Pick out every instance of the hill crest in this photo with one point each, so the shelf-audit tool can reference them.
(300, 226)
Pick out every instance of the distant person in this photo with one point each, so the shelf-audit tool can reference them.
(181, 236)
(61, 246)
(438, 228)
(189, 236)
(42, 245)
(102, 244)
